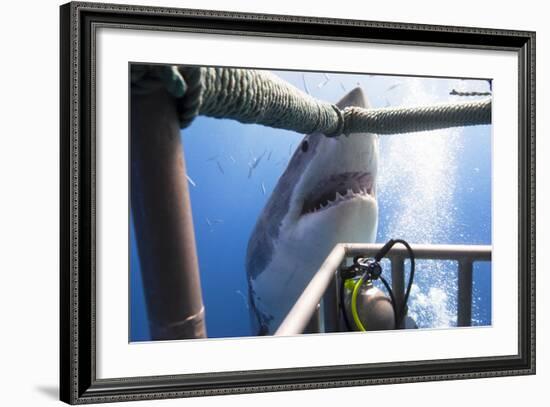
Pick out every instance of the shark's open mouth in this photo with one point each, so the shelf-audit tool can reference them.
(338, 188)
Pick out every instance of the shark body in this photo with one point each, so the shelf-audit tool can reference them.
(326, 195)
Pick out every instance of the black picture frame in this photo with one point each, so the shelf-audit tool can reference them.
(78, 382)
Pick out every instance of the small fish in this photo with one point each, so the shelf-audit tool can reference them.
(208, 222)
(190, 180)
(212, 158)
(260, 157)
(323, 84)
(239, 292)
(232, 159)
(343, 87)
(305, 84)
(392, 87)
(255, 162)
(269, 155)
(263, 188)
(220, 167)
(218, 221)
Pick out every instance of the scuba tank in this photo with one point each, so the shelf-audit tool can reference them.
(374, 308)
(365, 307)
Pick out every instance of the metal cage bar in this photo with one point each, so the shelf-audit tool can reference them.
(465, 279)
(398, 280)
(161, 210)
(307, 304)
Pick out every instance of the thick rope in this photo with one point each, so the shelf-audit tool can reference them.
(420, 118)
(457, 93)
(251, 96)
(146, 78)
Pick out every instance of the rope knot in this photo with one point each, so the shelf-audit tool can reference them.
(189, 105)
(340, 125)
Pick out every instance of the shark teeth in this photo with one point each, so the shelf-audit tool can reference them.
(338, 188)
(340, 197)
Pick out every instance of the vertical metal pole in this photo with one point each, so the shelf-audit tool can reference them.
(314, 324)
(465, 277)
(162, 217)
(330, 306)
(342, 326)
(398, 282)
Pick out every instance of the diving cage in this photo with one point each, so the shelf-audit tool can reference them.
(318, 310)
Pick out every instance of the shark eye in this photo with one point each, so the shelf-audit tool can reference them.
(305, 146)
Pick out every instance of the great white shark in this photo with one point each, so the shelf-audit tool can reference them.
(326, 195)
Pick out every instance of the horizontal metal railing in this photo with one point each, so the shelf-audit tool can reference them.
(305, 314)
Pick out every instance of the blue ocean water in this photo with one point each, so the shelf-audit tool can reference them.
(434, 187)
